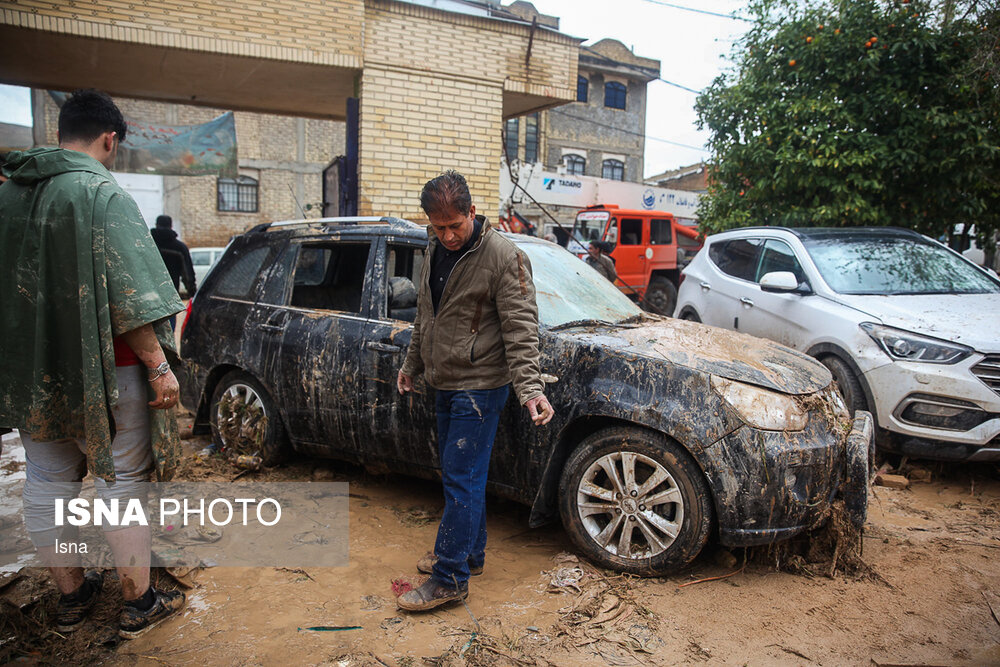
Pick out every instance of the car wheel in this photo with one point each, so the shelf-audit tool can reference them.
(634, 501)
(690, 316)
(661, 297)
(847, 383)
(245, 420)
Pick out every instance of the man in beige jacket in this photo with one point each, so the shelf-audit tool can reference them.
(475, 334)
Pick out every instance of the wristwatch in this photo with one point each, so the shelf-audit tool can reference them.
(159, 371)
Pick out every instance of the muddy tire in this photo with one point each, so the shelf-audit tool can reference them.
(635, 501)
(847, 383)
(245, 419)
(660, 297)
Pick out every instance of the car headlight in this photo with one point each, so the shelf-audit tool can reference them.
(760, 408)
(907, 346)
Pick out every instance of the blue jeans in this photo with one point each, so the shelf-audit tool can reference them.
(467, 424)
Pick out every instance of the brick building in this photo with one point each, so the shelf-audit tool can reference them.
(601, 134)
(692, 178)
(434, 83)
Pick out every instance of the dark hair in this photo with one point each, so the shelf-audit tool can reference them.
(164, 221)
(447, 193)
(87, 114)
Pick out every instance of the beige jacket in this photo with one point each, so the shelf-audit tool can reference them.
(485, 333)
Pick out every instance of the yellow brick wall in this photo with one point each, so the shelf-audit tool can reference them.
(432, 99)
(413, 127)
(411, 36)
(311, 31)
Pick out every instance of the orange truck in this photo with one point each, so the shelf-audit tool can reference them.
(649, 249)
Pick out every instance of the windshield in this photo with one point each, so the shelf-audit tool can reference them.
(894, 266)
(567, 290)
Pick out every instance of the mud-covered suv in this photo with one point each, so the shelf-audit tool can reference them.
(666, 432)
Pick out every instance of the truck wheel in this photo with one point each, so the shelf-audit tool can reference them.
(245, 420)
(661, 296)
(634, 501)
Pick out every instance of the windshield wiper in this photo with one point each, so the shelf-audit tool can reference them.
(581, 323)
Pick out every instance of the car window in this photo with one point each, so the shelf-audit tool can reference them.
(778, 256)
(631, 231)
(867, 265)
(330, 276)
(660, 232)
(567, 290)
(240, 276)
(276, 278)
(402, 270)
(737, 257)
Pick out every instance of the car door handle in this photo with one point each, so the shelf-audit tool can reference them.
(276, 328)
(705, 286)
(747, 301)
(383, 347)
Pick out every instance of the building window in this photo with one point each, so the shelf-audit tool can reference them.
(531, 138)
(238, 194)
(575, 164)
(510, 139)
(582, 88)
(614, 95)
(613, 169)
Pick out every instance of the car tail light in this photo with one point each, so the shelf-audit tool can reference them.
(187, 314)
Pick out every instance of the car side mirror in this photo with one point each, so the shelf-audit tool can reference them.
(783, 281)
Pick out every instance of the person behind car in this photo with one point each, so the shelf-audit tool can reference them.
(601, 262)
(86, 298)
(475, 333)
(175, 255)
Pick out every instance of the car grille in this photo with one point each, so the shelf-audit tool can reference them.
(988, 370)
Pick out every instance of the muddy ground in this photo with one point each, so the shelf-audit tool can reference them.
(931, 575)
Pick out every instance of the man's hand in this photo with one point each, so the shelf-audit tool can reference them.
(540, 410)
(167, 391)
(404, 383)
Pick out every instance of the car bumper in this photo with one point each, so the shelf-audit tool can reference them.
(772, 485)
(946, 410)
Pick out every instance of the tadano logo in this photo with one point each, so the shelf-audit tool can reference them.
(548, 183)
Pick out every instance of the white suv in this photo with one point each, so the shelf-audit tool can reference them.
(909, 328)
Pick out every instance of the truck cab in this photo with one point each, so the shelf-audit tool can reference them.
(649, 249)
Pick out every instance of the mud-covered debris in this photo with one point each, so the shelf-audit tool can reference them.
(415, 516)
(892, 481)
(241, 426)
(372, 603)
(564, 579)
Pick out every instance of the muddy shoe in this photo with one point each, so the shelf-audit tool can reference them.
(73, 608)
(426, 565)
(135, 621)
(431, 594)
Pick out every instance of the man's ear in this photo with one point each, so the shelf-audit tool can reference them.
(108, 140)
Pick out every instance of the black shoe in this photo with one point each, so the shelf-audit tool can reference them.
(135, 621)
(71, 611)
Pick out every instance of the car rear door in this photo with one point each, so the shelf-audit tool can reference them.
(321, 332)
(729, 288)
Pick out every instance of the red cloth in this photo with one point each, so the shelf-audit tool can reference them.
(124, 356)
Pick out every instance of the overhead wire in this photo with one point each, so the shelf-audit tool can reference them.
(698, 11)
(632, 132)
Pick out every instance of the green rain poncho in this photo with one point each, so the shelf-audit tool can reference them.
(77, 267)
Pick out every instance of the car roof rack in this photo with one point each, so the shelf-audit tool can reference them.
(327, 222)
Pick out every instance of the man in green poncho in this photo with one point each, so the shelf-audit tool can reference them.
(83, 340)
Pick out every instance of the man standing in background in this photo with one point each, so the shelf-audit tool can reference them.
(175, 255)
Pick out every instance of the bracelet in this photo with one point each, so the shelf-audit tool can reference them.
(159, 371)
